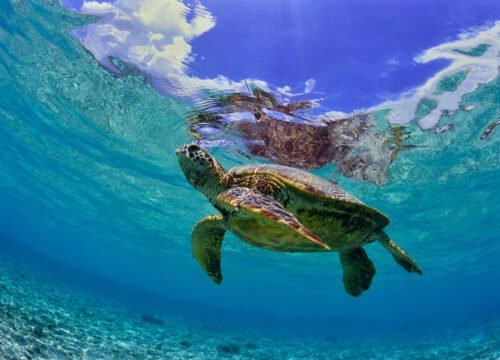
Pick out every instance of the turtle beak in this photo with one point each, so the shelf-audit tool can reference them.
(182, 150)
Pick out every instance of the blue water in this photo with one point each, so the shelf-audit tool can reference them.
(92, 195)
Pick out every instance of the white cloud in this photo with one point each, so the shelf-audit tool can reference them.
(310, 84)
(308, 88)
(169, 17)
(97, 8)
(153, 35)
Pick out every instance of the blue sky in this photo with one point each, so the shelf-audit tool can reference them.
(360, 53)
(356, 50)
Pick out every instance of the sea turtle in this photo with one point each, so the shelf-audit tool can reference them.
(284, 209)
(352, 143)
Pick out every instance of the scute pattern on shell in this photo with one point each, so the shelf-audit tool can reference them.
(297, 178)
(257, 202)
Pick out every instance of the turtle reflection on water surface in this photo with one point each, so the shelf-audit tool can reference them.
(282, 134)
(284, 209)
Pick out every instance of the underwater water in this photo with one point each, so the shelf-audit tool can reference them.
(95, 236)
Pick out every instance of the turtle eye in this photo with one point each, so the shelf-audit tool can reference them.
(193, 148)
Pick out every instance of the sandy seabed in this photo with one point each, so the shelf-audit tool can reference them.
(44, 320)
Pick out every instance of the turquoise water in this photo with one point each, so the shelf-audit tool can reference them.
(93, 195)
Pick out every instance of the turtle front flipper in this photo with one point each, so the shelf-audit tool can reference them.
(262, 221)
(401, 257)
(206, 239)
(358, 271)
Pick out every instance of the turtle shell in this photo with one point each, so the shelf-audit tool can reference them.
(338, 218)
(262, 221)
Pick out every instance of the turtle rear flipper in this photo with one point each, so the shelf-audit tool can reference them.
(401, 257)
(206, 239)
(358, 271)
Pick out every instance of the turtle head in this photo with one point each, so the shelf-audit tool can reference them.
(201, 170)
